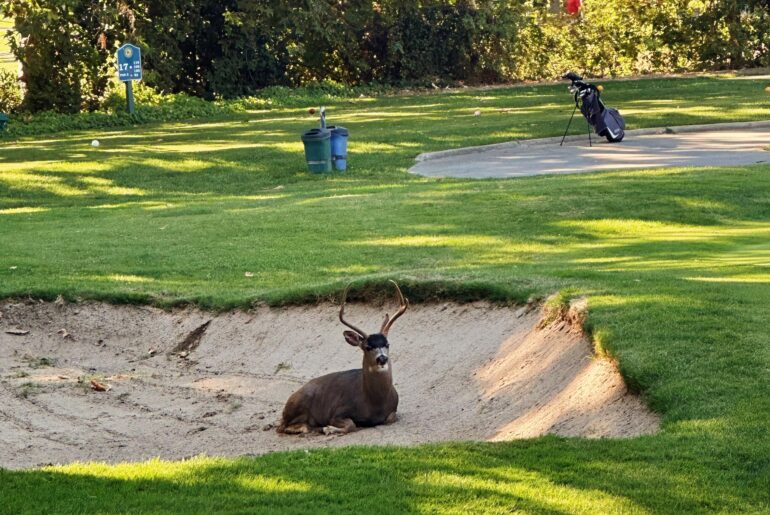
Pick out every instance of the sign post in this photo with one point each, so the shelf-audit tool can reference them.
(129, 70)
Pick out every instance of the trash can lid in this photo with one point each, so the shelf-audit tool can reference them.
(316, 134)
(338, 130)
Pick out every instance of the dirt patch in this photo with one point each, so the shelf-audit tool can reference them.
(182, 383)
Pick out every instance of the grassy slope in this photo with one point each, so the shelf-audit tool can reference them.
(675, 263)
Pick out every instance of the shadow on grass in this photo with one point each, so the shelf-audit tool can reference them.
(548, 475)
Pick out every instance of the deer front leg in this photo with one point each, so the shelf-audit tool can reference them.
(295, 429)
(340, 426)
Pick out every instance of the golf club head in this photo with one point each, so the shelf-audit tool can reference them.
(572, 76)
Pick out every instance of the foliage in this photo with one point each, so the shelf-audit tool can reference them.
(211, 48)
(225, 49)
(7, 61)
(259, 43)
(740, 33)
(152, 106)
(462, 40)
(627, 36)
(64, 49)
(10, 92)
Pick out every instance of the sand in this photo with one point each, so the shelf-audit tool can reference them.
(177, 388)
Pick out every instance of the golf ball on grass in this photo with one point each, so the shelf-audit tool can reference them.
(767, 89)
(95, 143)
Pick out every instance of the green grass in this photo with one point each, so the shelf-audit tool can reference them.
(675, 262)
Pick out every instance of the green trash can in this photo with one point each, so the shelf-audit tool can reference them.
(318, 150)
(3, 121)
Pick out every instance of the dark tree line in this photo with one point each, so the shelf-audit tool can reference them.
(231, 48)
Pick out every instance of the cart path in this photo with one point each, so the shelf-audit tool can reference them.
(732, 147)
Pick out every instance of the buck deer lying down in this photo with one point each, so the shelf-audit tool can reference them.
(342, 401)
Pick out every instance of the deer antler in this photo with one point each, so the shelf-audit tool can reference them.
(342, 311)
(386, 325)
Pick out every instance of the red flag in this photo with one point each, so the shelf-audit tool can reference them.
(573, 6)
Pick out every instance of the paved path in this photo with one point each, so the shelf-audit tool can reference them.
(709, 148)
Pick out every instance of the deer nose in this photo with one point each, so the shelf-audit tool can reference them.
(382, 360)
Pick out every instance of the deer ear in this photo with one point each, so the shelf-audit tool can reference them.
(353, 338)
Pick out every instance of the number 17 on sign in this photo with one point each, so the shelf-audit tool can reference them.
(129, 69)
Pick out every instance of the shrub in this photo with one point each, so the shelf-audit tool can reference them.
(64, 48)
(152, 106)
(10, 92)
(215, 49)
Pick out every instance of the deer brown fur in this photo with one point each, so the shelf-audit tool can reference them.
(340, 402)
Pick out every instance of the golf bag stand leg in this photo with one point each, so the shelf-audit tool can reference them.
(589, 135)
(568, 124)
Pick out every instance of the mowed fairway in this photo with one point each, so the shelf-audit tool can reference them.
(675, 263)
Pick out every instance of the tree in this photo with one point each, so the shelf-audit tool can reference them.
(65, 48)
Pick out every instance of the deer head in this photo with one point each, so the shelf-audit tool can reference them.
(375, 346)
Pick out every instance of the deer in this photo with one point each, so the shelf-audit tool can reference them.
(341, 402)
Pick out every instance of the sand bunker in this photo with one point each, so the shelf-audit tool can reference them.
(177, 388)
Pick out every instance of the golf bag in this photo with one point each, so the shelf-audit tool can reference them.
(606, 121)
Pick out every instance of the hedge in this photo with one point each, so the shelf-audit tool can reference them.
(217, 49)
